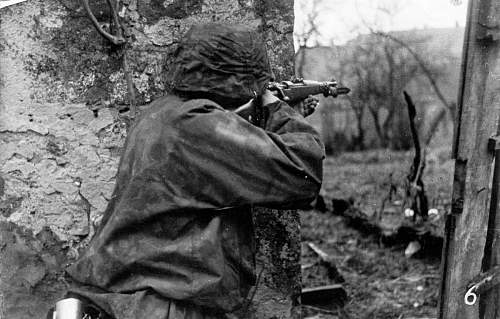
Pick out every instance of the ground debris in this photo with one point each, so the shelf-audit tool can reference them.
(328, 262)
(393, 228)
(412, 248)
(380, 281)
(330, 297)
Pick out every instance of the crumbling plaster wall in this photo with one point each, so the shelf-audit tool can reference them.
(63, 120)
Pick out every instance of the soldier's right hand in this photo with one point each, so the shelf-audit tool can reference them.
(268, 97)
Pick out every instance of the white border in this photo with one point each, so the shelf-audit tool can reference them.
(6, 3)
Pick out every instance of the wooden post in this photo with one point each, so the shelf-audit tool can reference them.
(478, 107)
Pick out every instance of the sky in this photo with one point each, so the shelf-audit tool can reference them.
(342, 20)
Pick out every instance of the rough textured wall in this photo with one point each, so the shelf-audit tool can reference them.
(63, 120)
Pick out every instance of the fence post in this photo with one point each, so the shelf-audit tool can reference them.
(477, 120)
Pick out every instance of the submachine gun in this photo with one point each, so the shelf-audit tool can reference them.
(298, 89)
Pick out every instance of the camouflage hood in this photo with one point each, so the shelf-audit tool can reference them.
(228, 62)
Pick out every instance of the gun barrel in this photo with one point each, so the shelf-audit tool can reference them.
(295, 91)
(342, 90)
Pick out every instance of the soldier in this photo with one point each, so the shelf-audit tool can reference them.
(177, 240)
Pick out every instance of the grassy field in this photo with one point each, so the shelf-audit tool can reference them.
(365, 177)
(380, 280)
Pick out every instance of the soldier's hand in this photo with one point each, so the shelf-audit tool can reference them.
(307, 106)
(247, 110)
(268, 97)
(254, 112)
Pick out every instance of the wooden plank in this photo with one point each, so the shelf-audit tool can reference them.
(463, 78)
(490, 299)
(480, 94)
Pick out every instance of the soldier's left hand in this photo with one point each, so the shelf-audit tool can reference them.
(307, 106)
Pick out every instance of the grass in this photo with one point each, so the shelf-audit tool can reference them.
(381, 281)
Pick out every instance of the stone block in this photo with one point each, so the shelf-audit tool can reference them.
(31, 275)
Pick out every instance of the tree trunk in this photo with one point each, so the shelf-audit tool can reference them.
(378, 128)
(360, 136)
(302, 61)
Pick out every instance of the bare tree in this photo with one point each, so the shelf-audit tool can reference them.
(377, 71)
(342, 72)
(431, 77)
(378, 67)
(428, 69)
(309, 30)
(358, 142)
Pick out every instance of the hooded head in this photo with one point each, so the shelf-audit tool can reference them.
(225, 63)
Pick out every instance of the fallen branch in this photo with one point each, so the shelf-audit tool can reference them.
(328, 262)
(321, 310)
(307, 266)
(318, 251)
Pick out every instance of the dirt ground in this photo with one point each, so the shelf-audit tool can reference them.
(380, 280)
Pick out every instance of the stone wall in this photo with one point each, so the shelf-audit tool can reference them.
(63, 119)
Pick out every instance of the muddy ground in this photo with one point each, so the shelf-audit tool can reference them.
(380, 280)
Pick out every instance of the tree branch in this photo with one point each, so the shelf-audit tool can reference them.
(114, 13)
(422, 65)
(116, 40)
(412, 113)
(415, 192)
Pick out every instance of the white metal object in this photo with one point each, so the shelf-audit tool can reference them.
(69, 308)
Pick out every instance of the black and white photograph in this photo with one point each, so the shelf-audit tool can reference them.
(249, 159)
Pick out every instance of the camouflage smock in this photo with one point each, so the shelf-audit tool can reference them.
(179, 223)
